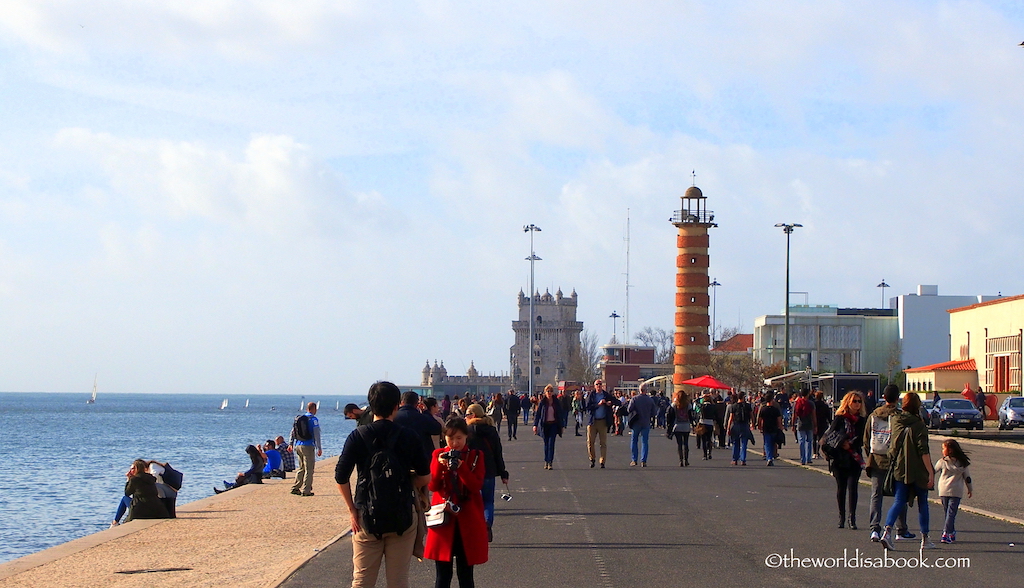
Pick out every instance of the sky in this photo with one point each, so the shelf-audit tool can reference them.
(220, 196)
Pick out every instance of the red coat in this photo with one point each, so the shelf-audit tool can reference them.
(471, 524)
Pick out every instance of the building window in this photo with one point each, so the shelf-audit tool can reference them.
(693, 260)
(692, 339)
(539, 320)
(536, 371)
(536, 336)
(693, 299)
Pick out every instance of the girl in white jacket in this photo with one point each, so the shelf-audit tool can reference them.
(952, 478)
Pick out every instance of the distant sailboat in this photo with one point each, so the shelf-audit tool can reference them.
(247, 403)
(224, 404)
(93, 399)
(337, 404)
(318, 405)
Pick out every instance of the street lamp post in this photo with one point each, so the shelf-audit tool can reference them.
(788, 229)
(883, 286)
(714, 309)
(531, 228)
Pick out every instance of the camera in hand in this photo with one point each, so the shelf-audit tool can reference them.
(453, 457)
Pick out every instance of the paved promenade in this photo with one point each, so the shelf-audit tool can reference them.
(711, 523)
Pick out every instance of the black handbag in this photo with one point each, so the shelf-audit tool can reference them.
(831, 441)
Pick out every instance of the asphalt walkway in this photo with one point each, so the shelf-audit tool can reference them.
(711, 523)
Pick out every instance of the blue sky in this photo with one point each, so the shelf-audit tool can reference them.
(227, 196)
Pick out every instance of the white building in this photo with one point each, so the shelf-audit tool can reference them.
(828, 338)
(924, 324)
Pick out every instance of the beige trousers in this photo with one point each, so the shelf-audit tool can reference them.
(597, 430)
(394, 549)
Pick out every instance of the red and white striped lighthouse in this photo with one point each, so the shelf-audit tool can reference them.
(693, 220)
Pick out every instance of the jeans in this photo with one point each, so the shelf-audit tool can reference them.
(770, 452)
(899, 505)
(122, 507)
(513, 427)
(875, 504)
(526, 416)
(950, 505)
(640, 435)
(488, 494)
(739, 441)
(806, 441)
(786, 414)
(683, 445)
(550, 433)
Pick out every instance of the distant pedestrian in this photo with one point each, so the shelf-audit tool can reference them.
(565, 399)
(600, 405)
(877, 440)
(738, 417)
(679, 419)
(822, 420)
(849, 459)
(578, 408)
(980, 398)
(305, 439)
(512, 408)
(381, 513)
(525, 404)
(287, 455)
(496, 410)
(914, 472)
(424, 425)
(769, 422)
(547, 422)
(641, 411)
(446, 407)
(953, 478)
(361, 416)
(706, 429)
(804, 425)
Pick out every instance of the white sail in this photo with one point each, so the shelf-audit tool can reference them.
(318, 405)
(247, 403)
(224, 404)
(93, 399)
(337, 404)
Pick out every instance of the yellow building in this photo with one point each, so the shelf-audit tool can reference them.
(990, 333)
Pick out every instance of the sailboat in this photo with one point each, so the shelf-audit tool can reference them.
(318, 405)
(337, 404)
(224, 404)
(93, 399)
(247, 403)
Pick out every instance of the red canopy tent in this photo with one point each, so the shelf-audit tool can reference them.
(707, 382)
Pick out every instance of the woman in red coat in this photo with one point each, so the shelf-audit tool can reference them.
(457, 475)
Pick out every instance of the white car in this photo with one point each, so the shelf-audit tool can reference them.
(1011, 413)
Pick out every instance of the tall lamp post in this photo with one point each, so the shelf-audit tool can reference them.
(614, 316)
(788, 229)
(714, 309)
(533, 258)
(883, 286)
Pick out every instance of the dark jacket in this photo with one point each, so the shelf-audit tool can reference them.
(908, 452)
(145, 499)
(854, 458)
(512, 406)
(609, 413)
(538, 415)
(485, 438)
(420, 423)
(670, 418)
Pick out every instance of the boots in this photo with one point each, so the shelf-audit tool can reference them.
(686, 455)
(853, 522)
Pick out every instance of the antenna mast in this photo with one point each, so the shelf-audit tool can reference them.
(625, 320)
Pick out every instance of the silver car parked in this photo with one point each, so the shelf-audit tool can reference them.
(1011, 413)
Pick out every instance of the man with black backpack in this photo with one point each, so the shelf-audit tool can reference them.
(390, 464)
(306, 441)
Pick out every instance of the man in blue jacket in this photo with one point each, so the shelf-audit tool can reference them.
(601, 407)
(307, 449)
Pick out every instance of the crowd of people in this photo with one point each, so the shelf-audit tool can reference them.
(426, 470)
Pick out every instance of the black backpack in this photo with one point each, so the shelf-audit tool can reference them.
(301, 429)
(385, 487)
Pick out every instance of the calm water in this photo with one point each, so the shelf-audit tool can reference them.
(63, 461)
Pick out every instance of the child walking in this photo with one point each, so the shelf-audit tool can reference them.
(952, 476)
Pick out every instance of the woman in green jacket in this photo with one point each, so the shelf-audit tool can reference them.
(913, 470)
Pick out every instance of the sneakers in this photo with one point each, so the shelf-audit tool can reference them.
(115, 523)
(296, 492)
(905, 535)
(925, 543)
(632, 464)
(945, 538)
(591, 463)
(771, 462)
(643, 464)
(602, 465)
(308, 494)
(886, 539)
(876, 536)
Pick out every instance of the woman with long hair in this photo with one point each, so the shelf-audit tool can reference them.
(908, 447)
(456, 477)
(547, 422)
(141, 488)
(849, 458)
(678, 423)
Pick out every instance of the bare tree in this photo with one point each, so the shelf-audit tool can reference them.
(743, 372)
(661, 340)
(725, 334)
(893, 361)
(583, 358)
